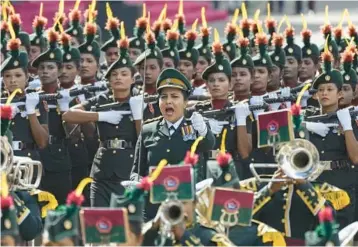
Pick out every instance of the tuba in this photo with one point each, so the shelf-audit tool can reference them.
(22, 173)
(299, 159)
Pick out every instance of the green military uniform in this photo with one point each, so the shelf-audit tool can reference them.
(117, 142)
(55, 157)
(156, 138)
(23, 142)
(332, 149)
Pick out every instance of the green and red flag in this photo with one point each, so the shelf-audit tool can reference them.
(175, 181)
(231, 207)
(104, 225)
(274, 127)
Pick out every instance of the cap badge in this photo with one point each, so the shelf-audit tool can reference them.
(68, 56)
(67, 224)
(204, 50)
(171, 53)
(37, 41)
(277, 58)
(188, 54)
(16, 63)
(221, 67)
(7, 224)
(264, 61)
(327, 78)
(228, 48)
(131, 208)
(227, 177)
(75, 32)
(89, 48)
(244, 61)
(347, 77)
(309, 52)
(290, 50)
(52, 55)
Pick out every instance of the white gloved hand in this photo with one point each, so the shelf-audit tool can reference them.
(112, 117)
(64, 101)
(274, 106)
(345, 119)
(216, 126)
(137, 107)
(242, 111)
(306, 95)
(257, 100)
(199, 124)
(32, 99)
(15, 110)
(286, 92)
(319, 128)
(199, 91)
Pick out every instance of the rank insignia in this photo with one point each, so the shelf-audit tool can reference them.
(103, 225)
(188, 133)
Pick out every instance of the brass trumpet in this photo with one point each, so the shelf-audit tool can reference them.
(299, 159)
(172, 212)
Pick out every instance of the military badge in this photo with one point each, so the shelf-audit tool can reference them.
(231, 207)
(173, 182)
(188, 132)
(104, 225)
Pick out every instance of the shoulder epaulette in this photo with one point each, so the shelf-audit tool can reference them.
(311, 197)
(153, 119)
(336, 196)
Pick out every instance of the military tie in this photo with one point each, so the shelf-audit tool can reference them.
(172, 130)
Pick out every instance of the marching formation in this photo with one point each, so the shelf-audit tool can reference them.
(174, 137)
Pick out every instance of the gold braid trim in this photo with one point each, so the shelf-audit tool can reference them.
(338, 197)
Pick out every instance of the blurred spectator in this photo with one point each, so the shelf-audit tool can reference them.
(280, 5)
(311, 7)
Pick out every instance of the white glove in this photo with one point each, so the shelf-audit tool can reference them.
(319, 128)
(32, 99)
(64, 101)
(257, 100)
(242, 111)
(274, 106)
(199, 91)
(345, 119)
(286, 92)
(217, 126)
(136, 104)
(15, 110)
(112, 117)
(199, 124)
(306, 95)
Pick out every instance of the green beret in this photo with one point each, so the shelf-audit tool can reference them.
(115, 35)
(173, 78)
(53, 54)
(348, 73)
(244, 60)
(309, 50)
(123, 60)
(17, 59)
(161, 42)
(278, 56)
(40, 41)
(293, 50)
(151, 52)
(333, 48)
(62, 223)
(172, 51)
(332, 76)
(90, 46)
(76, 32)
(221, 64)
(70, 53)
(25, 39)
(190, 53)
(137, 42)
(37, 38)
(262, 58)
(204, 48)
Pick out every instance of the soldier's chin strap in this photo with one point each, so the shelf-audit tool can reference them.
(141, 124)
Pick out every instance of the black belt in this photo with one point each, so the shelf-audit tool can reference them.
(117, 144)
(19, 145)
(338, 165)
(54, 139)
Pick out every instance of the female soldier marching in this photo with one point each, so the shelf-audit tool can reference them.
(117, 128)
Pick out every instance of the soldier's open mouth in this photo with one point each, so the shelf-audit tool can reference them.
(169, 111)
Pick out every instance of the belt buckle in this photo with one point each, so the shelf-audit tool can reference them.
(17, 145)
(326, 165)
(50, 139)
(119, 144)
(213, 154)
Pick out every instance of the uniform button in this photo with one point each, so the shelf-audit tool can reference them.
(28, 154)
(284, 207)
(168, 150)
(217, 135)
(252, 159)
(322, 152)
(284, 194)
(283, 220)
(323, 139)
(116, 127)
(131, 155)
(13, 123)
(59, 149)
(114, 151)
(76, 145)
(352, 167)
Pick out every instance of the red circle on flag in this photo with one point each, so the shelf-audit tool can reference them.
(232, 206)
(104, 225)
(171, 183)
(272, 127)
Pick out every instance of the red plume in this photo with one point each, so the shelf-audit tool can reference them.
(326, 29)
(142, 22)
(327, 56)
(6, 202)
(352, 31)
(63, 18)
(325, 214)
(205, 31)
(338, 32)
(347, 56)
(290, 32)
(172, 35)
(75, 15)
(191, 35)
(261, 39)
(181, 18)
(254, 26)
(123, 43)
(90, 28)
(145, 184)
(223, 159)
(6, 112)
(65, 39)
(112, 23)
(4, 26)
(167, 24)
(94, 14)
(352, 48)
(15, 19)
(39, 21)
(296, 110)
(271, 23)
(73, 198)
(157, 25)
(306, 33)
(12, 45)
(217, 48)
(191, 159)
(277, 40)
(52, 36)
(245, 24)
(243, 42)
(150, 38)
(230, 29)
